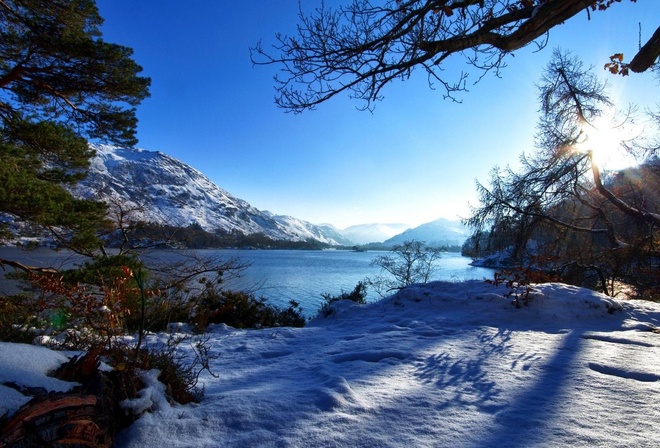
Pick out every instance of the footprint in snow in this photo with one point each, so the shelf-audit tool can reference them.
(623, 373)
(375, 356)
(353, 337)
(276, 354)
(615, 340)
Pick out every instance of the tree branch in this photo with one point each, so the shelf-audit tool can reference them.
(646, 216)
(26, 268)
(361, 48)
(540, 19)
(647, 55)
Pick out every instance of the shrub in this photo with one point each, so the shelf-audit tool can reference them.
(241, 309)
(407, 263)
(95, 308)
(519, 283)
(178, 373)
(119, 302)
(358, 295)
(18, 318)
(96, 318)
(92, 314)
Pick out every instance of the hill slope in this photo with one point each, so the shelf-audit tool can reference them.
(442, 364)
(164, 190)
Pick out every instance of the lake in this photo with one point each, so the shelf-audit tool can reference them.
(284, 275)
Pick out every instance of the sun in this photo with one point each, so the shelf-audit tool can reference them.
(606, 139)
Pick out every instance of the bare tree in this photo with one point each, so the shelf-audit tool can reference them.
(359, 48)
(407, 263)
(559, 198)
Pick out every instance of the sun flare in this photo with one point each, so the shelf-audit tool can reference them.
(606, 140)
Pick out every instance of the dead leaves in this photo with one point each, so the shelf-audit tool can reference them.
(616, 66)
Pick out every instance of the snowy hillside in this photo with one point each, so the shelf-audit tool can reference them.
(441, 232)
(439, 365)
(320, 232)
(372, 233)
(167, 191)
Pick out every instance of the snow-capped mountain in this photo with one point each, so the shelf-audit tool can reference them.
(441, 232)
(164, 190)
(373, 233)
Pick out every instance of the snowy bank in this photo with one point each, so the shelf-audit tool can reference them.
(442, 364)
(25, 366)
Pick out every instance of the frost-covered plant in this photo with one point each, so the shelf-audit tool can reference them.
(178, 371)
(176, 368)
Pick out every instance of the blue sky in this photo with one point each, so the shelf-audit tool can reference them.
(413, 160)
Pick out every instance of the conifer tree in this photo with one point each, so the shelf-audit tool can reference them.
(61, 85)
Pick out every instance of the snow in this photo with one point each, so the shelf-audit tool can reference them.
(163, 190)
(441, 364)
(373, 233)
(27, 366)
(440, 232)
(152, 396)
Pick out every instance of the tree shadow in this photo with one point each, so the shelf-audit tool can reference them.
(469, 387)
(467, 377)
(523, 419)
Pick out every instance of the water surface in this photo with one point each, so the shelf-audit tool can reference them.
(284, 275)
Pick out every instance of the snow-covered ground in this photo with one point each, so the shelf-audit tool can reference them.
(442, 364)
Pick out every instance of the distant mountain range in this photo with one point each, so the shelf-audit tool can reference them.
(438, 233)
(441, 232)
(163, 190)
(373, 233)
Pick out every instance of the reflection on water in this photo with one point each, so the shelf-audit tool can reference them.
(284, 275)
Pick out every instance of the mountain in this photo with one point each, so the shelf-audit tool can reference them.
(163, 190)
(441, 232)
(373, 233)
(320, 232)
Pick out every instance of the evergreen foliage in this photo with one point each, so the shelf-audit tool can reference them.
(241, 309)
(358, 295)
(60, 85)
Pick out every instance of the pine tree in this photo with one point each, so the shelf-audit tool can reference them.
(60, 85)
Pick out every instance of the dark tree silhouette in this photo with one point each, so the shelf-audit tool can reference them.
(579, 222)
(359, 48)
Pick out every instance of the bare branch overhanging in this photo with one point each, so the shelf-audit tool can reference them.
(361, 47)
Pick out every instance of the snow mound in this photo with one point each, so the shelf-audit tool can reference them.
(151, 398)
(27, 366)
